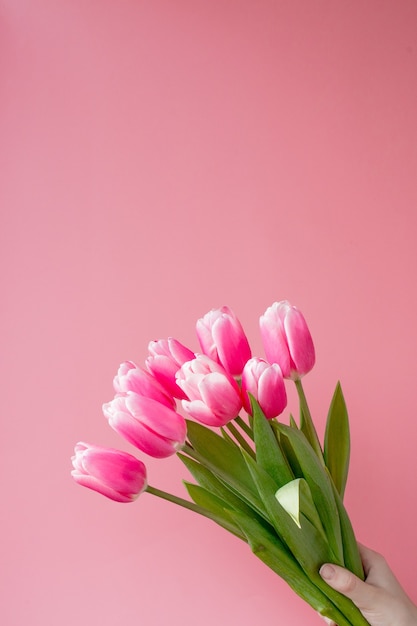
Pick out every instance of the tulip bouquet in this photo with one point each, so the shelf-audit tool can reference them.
(271, 484)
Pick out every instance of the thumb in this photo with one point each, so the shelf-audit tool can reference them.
(351, 586)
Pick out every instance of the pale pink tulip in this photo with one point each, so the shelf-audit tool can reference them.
(287, 340)
(222, 338)
(130, 377)
(266, 384)
(165, 358)
(149, 425)
(113, 473)
(214, 397)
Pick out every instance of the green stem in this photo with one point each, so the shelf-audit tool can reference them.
(186, 504)
(306, 422)
(244, 426)
(240, 439)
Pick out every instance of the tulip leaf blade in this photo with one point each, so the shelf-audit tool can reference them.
(268, 451)
(210, 482)
(307, 465)
(226, 436)
(306, 422)
(270, 550)
(351, 554)
(225, 461)
(217, 507)
(337, 441)
(293, 423)
(305, 542)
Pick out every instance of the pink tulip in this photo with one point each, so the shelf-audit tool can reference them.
(222, 338)
(166, 357)
(287, 340)
(149, 425)
(115, 474)
(214, 397)
(130, 377)
(266, 383)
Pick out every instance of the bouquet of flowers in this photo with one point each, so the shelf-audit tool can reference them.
(271, 484)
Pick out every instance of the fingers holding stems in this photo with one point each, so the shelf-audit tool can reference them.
(380, 598)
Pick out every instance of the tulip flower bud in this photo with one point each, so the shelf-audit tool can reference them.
(214, 397)
(287, 340)
(165, 358)
(222, 338)
(113, 473)
(130, 377)
(149, 425)
(266, 384)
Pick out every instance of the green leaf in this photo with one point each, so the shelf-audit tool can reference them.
(308, 546)
(270, 549)
(288, 451)
(217, 507)
(227, 436)
(209, 481)
(351, 554)
(293, 423)
(306, 422)
(337, 441)
(225, 460)
(300, 451)
(268, 451)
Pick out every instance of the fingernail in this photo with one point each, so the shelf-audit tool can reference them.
(327, 571)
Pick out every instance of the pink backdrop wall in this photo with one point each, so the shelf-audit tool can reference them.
(159, 159)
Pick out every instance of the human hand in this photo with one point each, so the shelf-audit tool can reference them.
(380, 598)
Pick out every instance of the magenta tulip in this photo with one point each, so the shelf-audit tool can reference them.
(287, 340)
(130, 377)
(222, 338)
(115, 474)
(266, 384)
(214, 397)
(165, 358)
(149, 425)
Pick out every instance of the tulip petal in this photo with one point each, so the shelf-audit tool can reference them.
(113, 473)
(300, 343)
(143, 438)
(164, 370)
(271, 391)
(91, 482)
(274, 341)
(157, 417)
(202, 413)
(220, 396)
(105, 467)
(130, 377)
(205, 339)
(232, 345)
(222, 338)
(179, 352)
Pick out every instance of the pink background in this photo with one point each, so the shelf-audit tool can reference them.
(158, 159)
